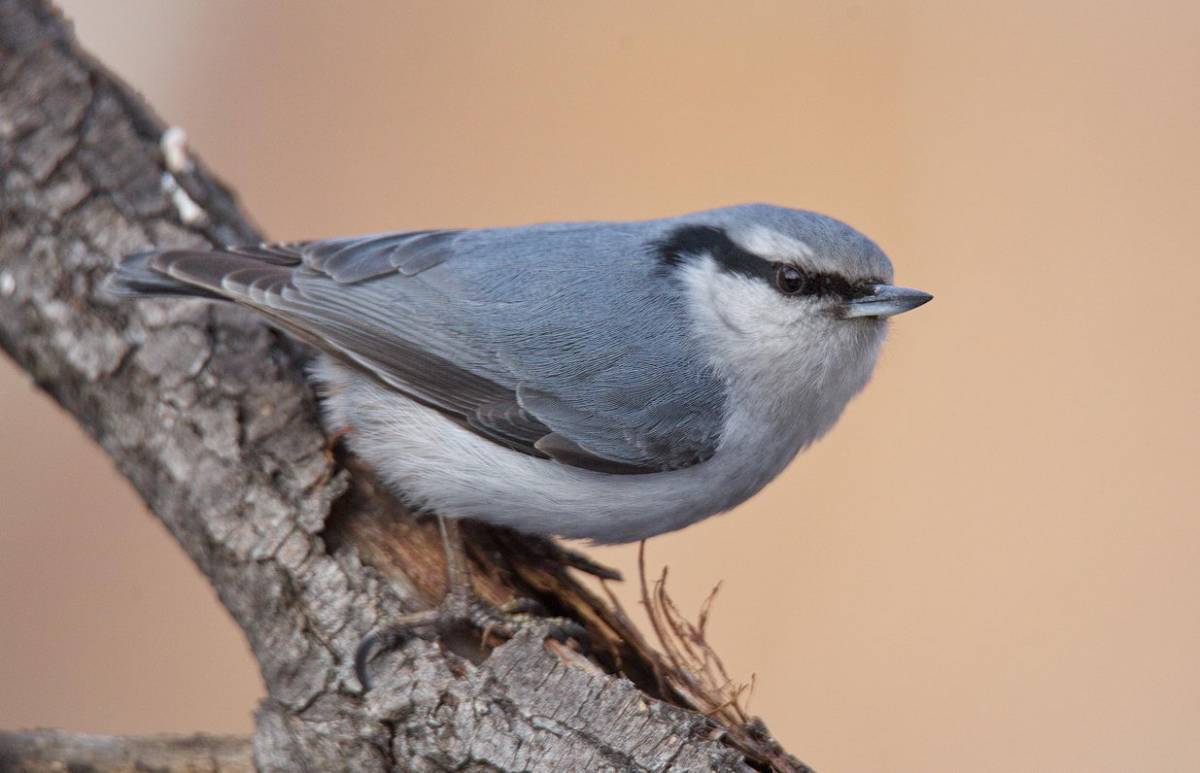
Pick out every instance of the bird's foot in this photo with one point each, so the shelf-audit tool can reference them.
(459, 612)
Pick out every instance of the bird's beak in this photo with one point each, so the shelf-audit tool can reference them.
(884, 301)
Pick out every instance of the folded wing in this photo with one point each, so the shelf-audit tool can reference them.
(373, 303)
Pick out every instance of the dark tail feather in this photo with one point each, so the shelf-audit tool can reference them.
(135, 276)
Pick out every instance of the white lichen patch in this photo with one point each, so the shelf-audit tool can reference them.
(174, 149)
(188, 210)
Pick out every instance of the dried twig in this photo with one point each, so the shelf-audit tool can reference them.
(688, 668)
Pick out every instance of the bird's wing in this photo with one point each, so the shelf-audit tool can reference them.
(493, 364)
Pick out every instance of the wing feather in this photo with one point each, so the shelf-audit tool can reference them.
(364, 301)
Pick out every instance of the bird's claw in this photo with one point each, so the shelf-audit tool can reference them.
(503, 621)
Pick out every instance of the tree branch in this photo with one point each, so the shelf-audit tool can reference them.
(52, 751)
(206, 411)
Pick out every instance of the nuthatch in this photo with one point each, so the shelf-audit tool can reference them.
(599, 380)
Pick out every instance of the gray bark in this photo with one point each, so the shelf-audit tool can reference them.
(53, 751)
(206, 411)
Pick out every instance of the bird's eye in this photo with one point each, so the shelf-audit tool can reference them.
(789, 279)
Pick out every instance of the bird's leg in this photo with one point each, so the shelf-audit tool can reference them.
(460, 606)
(459, 592)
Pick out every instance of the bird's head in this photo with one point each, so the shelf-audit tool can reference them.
(785, 300)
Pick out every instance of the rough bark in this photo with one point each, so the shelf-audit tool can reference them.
(206, 411)
(53, 751)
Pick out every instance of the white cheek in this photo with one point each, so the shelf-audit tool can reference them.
(740, 318)
(784, 356)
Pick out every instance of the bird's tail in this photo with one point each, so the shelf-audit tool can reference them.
(136, 276)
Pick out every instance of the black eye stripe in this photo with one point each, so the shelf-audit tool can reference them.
(692, 240)
(829, 284)
(689, 241)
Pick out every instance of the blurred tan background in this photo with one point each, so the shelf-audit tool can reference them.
(993, 563)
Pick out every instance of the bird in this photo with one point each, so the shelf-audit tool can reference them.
(597, 380)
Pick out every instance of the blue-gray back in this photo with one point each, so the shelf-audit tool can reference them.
(567, 340)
